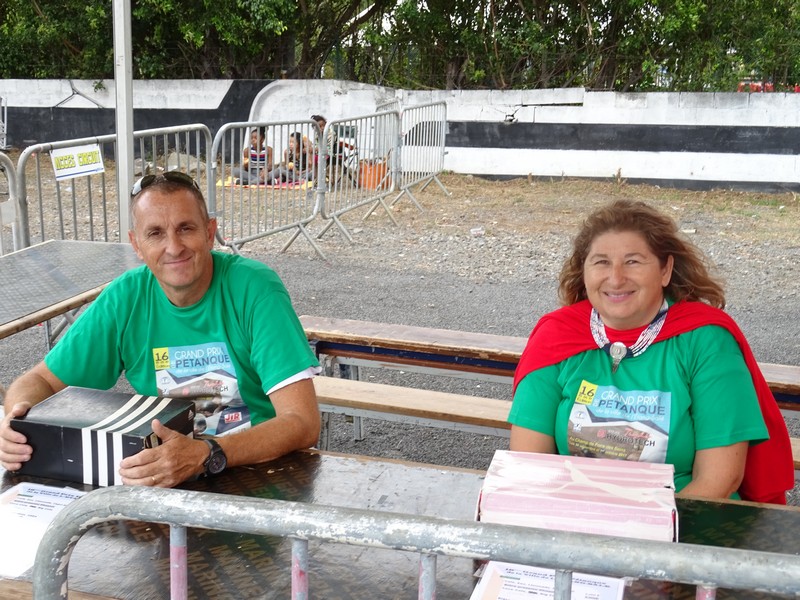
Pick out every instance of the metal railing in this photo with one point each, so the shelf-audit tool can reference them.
(87, 207)
(3, 123)
(566, 552)
(9, 229)
(278, 194)
(422, 148)
(359, 156)
(393, 104)
(356, 162)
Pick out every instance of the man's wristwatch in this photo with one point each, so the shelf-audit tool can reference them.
(216, 461)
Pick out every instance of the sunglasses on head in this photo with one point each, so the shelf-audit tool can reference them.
(171, 176)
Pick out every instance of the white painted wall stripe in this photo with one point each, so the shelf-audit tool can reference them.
(172, 94)
(635, 165)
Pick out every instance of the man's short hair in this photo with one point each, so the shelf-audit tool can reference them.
(167, 183)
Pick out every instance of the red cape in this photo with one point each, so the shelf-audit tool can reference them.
(769, 470)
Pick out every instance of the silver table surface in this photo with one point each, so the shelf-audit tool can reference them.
(41, 277)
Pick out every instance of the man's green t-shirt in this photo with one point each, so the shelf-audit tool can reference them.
(233, 346)
(686, 393)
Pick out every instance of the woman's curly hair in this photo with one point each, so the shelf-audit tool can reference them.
(691, 278)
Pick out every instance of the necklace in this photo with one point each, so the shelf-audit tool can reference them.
(618, 350)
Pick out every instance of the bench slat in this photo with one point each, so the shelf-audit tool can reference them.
(783, 379)
(412, 402)
(377, 341)
(449, 342)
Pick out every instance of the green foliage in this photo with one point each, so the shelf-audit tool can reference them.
(498, 44)
(46, 38)
(208, 38)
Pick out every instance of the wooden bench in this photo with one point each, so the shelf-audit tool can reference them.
(443, 351)
(357, 399)
(486, 416)
(460, 353)
(425, 349)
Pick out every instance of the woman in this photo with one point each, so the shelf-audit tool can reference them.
(642, 364)
(297, 161)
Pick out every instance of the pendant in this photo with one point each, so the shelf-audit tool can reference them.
(618, 351)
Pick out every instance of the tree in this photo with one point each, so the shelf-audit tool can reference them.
(206, 39)
(599, 44)
(320, 28)
(622, 45)
(55, 38)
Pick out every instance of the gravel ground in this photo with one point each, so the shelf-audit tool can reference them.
(486, 259)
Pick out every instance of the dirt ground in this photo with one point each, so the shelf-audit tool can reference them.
(528, 206)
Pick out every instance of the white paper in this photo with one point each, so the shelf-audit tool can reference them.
(506, 581)
(25, 512)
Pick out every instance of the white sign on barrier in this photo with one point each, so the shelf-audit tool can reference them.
(69, 163)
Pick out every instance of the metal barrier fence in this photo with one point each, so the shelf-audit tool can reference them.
(393, 104)
(703, 566)
(3, 122)
(87, 207)
(253, 188)
(9, 230)
(264, 180)
(422, 148)
(359, 157)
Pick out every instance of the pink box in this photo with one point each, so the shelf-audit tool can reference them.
(573, 493)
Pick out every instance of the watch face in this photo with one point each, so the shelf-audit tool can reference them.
(216, 464)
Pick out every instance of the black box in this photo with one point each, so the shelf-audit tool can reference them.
(81, 434)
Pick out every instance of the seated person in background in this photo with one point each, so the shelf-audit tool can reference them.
(256, 159)
(186, 300)
(642, 364)
(298, 161)
(331, 140)
(334, 149)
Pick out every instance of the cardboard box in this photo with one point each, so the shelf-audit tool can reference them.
(574, 493)
(82, 434)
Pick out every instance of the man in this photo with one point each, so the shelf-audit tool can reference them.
(185, 302)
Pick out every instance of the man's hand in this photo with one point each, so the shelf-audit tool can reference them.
(296, 425)
(177, 459)
(28, 389)
(13, 447)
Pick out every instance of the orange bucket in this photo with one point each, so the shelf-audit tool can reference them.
(372, 175)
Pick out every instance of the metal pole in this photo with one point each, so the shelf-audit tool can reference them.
(177, 563)
(123, 84)
(299, 569)
(563, 585)
(427, 577)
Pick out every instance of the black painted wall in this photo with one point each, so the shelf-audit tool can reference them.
(623, 137)
(27, 126)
